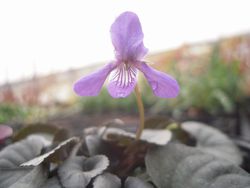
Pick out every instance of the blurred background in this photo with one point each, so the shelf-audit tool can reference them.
(45, 46)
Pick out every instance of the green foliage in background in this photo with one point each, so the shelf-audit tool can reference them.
(105, 103)
(218, 89)
(10, 112)
(215, 90)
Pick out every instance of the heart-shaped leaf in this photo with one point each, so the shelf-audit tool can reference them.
(35, 129)
(52, 153)
(158, 137)
(78, 171)
(152, 136)
(107, 180)
(95, 145)
(11, 174)
(35, 178)
(121, 147)
(179, 166)
(213, 141)
(52, 183)
(14, 155)
(132, 182)
(115, 152)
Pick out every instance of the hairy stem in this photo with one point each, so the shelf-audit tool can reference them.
(141, 112)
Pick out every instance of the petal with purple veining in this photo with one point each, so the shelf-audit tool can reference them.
(91, 85)
(122, 81)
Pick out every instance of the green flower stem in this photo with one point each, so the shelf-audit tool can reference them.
(141, 112)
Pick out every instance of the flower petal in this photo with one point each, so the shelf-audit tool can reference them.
(5, 132)
(127, 37)
(91, 85)
(162, 84)
(122, 81)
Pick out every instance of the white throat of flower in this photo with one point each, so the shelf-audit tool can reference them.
(124, 75)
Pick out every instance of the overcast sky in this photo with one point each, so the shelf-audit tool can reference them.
(54, 35)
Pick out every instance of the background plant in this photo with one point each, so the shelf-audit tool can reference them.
(210, 85)
(10, 112)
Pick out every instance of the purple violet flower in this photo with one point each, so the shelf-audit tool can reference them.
(127, 38)
(5, 132)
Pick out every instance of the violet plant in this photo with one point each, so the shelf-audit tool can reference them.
(127, 38)
(45, 156)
